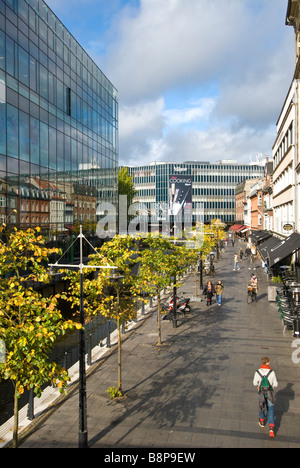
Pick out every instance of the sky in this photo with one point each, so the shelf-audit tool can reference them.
(200, 80)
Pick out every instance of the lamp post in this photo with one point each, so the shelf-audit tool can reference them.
(116, 278)
(82, 429)
(174, 302)
(201, 270)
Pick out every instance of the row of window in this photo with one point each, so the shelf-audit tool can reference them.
(285, 180)
(24, 67)
(47, 31)
(285, 144)
(41, 144)
(203, 178)
(203, 191)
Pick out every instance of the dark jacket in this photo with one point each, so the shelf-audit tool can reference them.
(209, 294)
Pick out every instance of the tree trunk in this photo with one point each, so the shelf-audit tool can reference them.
(158, 318)
(16, 419)
(119, 357)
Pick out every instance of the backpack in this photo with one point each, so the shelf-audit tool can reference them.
(265, 384)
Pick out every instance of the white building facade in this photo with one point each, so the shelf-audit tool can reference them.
(285, 156)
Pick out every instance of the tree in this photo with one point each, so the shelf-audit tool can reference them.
(126, 190)
(126, 185)
(161, 264)
(103, 294)
(29, 322)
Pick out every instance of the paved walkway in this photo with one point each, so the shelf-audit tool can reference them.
(196, 389)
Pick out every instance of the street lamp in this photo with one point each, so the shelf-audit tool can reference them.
(201, 270)
(116, 278)
(82, 430)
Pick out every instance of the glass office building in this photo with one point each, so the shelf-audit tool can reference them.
(212, 190)
(58, 124)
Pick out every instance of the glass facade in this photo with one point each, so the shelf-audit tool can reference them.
(58, 124)
(213, 186)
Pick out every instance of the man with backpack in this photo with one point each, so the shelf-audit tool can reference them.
(265, 381)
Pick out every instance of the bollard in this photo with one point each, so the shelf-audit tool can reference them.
(65, 360)
(89, 354)
(108, 345)
(30, 410)
(296, 324)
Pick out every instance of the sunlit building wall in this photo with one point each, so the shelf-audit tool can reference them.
(58, 124)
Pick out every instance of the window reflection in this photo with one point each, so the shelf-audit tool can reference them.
(58, 141)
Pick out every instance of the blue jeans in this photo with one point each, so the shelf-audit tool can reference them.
(270, 409)
(219, 298)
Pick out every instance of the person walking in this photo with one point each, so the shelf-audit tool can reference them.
(235, 263)
(254, 285)
(219, 288)
(265, 381)
(209, 291)
(241, 254)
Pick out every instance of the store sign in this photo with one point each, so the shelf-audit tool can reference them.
(288, 227)
(180, 169)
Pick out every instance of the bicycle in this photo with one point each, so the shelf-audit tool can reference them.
(209, 271)
(250, 294)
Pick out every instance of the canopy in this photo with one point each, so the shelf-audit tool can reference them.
(235, 227)
(265, 247)
(259, 236)
(284, 249)
(242, 228)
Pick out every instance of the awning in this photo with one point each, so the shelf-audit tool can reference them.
(284, 249)
(242, 229)
(246, 229)
(259, 236)
(235, 227)
(265, 247)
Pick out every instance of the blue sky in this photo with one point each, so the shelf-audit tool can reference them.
(197, 79)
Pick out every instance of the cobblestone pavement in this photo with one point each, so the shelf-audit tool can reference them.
(196, 389)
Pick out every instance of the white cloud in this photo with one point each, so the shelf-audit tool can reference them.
(143, 117)
(150, 48)
(197, 112)
(243, 46)
(173, 42)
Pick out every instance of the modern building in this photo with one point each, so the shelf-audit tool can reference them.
(58, 123)
(212, 187)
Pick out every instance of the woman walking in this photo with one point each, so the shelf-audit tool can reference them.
(209, 291)
(219, 291)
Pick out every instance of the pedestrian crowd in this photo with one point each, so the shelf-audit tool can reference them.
(264, 378)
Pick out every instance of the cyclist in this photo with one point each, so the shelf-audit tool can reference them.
(254, 285)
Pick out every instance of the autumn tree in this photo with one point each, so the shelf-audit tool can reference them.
(103, 293)
(162, 262)
(29, 322)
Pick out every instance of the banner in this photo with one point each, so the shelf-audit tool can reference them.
(180, 195)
